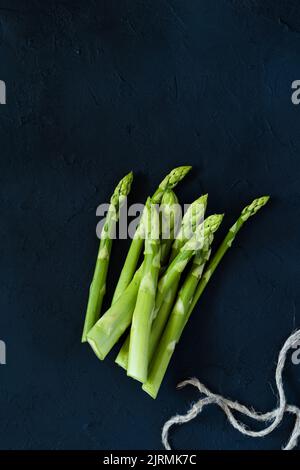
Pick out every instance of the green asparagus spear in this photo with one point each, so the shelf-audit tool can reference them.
(170, 214)
(141, 319)
(167, 282)
(97, 288)
(175, 325)
(117, 318)
(210, 225)
(247, 212)
(184, 307)
(169, 182)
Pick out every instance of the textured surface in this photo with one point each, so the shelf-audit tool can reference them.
(95, 89)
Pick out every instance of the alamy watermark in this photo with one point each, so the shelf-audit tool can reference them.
(2, 92)
(134, 221)
(2, 353)
(296, 93)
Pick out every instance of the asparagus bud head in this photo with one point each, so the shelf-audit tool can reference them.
(170, 181)
(122, 190)
(255, 205)
(203, 232)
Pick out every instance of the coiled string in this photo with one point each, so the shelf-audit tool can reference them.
(272, 418)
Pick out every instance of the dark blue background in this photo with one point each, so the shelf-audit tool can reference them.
(97, 88)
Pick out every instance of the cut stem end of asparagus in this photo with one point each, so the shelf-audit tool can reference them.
(150, 391)
(121, 363)
(96, 349)
(137, 376)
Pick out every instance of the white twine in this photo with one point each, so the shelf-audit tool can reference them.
(273, 417)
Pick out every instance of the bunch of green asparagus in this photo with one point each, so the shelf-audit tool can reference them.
(158, 289)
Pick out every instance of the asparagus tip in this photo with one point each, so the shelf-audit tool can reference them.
(213, 222)
(203, 200)
(176, 175)
(195, 212)
(122, 190)
(255, 205)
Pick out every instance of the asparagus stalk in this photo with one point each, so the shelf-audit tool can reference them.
(169, 211)
(141, 319)
(175, 325)
(169, 182)
(98, 285)
(246, 213)
(169, 283)
(107, 331)
(191, 291)
(210, 225)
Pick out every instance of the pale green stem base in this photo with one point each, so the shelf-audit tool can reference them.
(108, 330)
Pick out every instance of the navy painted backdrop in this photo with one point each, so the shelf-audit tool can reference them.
(95, 89)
